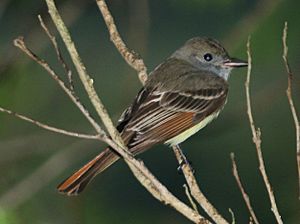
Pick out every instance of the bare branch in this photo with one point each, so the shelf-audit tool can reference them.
(232, 216)
(131, 57)
(256, 137)
(188, 194)
(290, 98)
(240, 185)
(50, 128)
(194, 188)
(19, 42)
(58, 53)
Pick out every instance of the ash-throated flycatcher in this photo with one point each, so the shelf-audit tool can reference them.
(181, 96)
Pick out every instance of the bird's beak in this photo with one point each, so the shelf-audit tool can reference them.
(234, 63)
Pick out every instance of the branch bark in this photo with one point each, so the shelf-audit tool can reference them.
(49, 128)
(240, 185)
(194, 188)
(256, 138)
(58, 53)
(290, 99)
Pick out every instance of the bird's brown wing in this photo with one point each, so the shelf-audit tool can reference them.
(162, 115)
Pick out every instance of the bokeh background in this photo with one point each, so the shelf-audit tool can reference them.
(34, 161)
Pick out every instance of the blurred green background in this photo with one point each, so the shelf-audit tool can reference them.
(34, 161)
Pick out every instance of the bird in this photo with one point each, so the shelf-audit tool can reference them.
(180, 97)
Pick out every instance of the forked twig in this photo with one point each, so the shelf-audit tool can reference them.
(240, 185)
(256, 138)
(19, 42)
(290, 98)
(58, 53)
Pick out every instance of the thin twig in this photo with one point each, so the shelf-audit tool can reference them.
(188, 194)
(290, 99)
(58, 53)
(256, 138)
(19, 42)
(131, 57)
(194, 188)
(232, 216)
(49, 128)
(145, 177)
(240, 185)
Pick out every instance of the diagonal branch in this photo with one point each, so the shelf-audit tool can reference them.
(256, 137)
(290, 98)
(194, 188)
(49, 128)
(240, 185)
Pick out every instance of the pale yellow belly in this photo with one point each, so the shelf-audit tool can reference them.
(186, 134)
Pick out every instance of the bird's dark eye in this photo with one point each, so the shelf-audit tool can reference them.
(208, 57)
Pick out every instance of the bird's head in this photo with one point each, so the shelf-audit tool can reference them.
(209, 55)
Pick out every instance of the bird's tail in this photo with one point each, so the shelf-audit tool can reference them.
(74, 184)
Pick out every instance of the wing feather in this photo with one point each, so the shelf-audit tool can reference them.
(159, 115)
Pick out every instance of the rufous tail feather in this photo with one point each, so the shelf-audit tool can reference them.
(76, 183)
